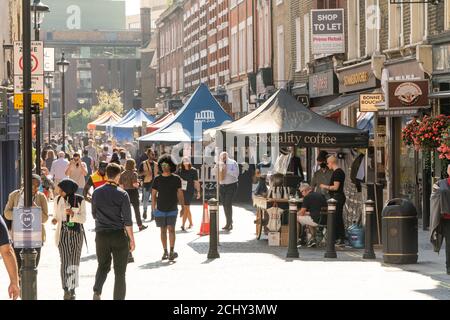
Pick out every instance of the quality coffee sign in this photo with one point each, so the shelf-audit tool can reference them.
(327, 31)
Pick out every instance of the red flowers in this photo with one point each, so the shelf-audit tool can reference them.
(428, 134)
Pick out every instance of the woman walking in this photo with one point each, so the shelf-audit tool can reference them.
(189, 182)
(70, 214)
(49, 158)
(129, 182)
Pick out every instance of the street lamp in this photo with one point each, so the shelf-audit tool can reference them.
(49, 81)
(38, 10)
(63, 66)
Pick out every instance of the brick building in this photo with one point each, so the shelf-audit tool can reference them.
(242, 59)
(170, 52)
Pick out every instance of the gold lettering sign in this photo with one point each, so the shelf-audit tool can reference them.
(356, 78)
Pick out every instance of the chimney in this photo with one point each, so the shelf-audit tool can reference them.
(146, 25)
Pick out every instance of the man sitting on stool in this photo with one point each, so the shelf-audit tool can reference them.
(309, 214)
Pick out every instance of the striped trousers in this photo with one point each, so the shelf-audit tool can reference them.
(70, 246)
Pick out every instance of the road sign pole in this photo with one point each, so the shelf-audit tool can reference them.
(27, 255)
(38, 112)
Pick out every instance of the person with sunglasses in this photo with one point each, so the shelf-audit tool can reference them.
(166, 194)
(77, 171)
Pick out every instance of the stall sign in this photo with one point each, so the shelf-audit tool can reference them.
(327, 31)
(321, 84)
(408, 94)
(356, 78)
(368, 101)
(27, 227)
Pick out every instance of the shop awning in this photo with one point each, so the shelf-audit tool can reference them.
(337, 104)
(439, 95)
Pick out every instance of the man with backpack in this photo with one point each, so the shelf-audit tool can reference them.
(148, 170)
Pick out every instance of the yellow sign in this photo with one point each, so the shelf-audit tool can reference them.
(36, 98)
(368, 101)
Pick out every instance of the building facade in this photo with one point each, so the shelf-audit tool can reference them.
(171, 77)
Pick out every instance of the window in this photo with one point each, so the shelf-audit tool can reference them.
(234, 51)
(267, 36)
(353, 50)
(174, 80)
(242, 47)
(181, 79)
(447, 15)
(395, 26)
(298, 45)
(163, 79)
(418, 28)
(169, 80)
(306, 33)
(280, 55)
(279, 2)
(372, 26)
(260, 40)
(249, 45)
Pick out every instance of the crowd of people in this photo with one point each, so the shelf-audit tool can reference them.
(116, 174)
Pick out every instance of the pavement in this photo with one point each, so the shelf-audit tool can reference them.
(247, 269)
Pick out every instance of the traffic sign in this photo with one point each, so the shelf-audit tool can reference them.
(49, 59)
(36, 98)
(37, 74)
(37, 58)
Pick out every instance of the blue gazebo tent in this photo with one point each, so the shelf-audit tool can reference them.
(201, 110)
(125, 129)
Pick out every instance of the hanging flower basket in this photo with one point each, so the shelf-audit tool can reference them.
(409, 132)
(444, 148)
(430, 132)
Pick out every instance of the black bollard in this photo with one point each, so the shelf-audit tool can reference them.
(368, 245)
(213, 205)
(331, 232)
(292, 246)
(28, 273)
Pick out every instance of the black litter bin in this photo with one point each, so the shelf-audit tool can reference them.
(400, 232)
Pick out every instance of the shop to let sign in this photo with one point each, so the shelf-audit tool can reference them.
(368, 101)
(327, 31)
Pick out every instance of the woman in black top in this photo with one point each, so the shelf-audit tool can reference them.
(189, 182)
(336, 190)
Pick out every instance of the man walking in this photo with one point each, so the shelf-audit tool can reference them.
(166, 190)
(9, 258)
(77, 171)
(228, 181)
(148, 171)
(92, 152)
(114, 232)
(59, 167)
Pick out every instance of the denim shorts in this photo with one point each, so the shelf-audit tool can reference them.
(164, 219)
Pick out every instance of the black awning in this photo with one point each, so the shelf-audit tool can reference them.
(336, 104)
(439, 95)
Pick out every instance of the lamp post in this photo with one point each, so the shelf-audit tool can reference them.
(63, 65)
(38, 10)
(49, 81)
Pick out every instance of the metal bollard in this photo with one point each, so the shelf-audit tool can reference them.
(213, 253)
(331, 232)
(292, 246)
(28, 273)
(368, 247)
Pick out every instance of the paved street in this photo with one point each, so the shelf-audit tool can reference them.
(247, 269)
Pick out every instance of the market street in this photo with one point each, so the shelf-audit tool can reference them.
(247, 269)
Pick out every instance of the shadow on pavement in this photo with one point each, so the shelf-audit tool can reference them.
(261, 247)
(89, 258)
(156, 265)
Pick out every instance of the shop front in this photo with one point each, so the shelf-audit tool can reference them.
(406, 92)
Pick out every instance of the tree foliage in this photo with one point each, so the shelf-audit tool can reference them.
(78, 120)
(107, 102)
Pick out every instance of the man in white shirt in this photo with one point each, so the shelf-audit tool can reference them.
(59, 167)
(228, 181)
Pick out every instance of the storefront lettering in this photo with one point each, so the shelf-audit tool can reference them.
(320, 82)
(294, 139)
(356, 78)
